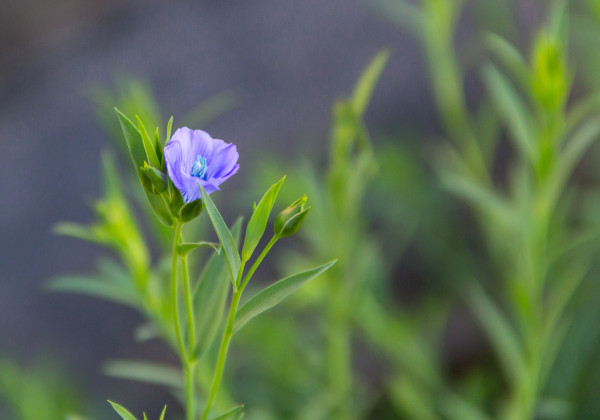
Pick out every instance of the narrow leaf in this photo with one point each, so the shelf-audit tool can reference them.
(185, 247)
(402, 13)
(75, 230)
(272, 295)
(233, 414)
(228, 244)
(147, 372)
(258, 221)
(210, 295)
(148, 146)
(511, 58)
(501, 334)
(133, 138)
(138, 157)
(162, 415)
(122, 411)
(90, 286)
(169, 127)
(367, 82)
(517, 117)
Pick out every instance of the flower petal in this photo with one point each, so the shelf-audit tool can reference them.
(173, 157)
(224, 159)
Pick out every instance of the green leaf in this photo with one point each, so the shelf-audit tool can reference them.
(122, 411)
(169, 127)
(134, 141)
(234, 414)
(228, 244)
(75, 230)
(146, 372)
(402, 13)
(189, 211)
(91, 286)
(517, 117)
(148, 146)
(138, 156)
(367, 82)
(275, 293)
(210, 294)
(258, 222)
(146, 332)
(162, 415)
(185, 247)
(502, 335)
(511, 58)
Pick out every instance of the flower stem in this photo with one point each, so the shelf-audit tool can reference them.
(176, 239)
(227, 335)
(189, 306)
(188, 365)
(261, 257)
(189, 369)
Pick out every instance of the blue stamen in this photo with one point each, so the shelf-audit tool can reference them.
(199, 168)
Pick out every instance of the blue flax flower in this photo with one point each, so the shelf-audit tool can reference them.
(193, 156)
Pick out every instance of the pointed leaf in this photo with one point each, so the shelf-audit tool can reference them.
(258, 222)
(185, 247)
(367, 82)
(228, 244)
(210, 294)
(511, 58)
(516, 115)
(90, 286)
(152, 158)
(138, 156)
(169, 127)
(500, 332)
(122, 411)
(147, 372)
(162, 415)
(275, 293)
(234, 414)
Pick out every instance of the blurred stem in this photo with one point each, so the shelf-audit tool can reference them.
(339, 367)
(227, 335)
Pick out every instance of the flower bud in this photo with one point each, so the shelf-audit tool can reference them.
(153, 179)
(289, 220)
(191, 210)
(550, 80)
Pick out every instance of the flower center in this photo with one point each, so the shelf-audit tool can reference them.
(199, 168)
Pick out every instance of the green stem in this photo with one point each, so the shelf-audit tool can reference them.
(227, 335)
(176, 239)
(261, 257)
(339, 369)
(189, 368)
(189, 305)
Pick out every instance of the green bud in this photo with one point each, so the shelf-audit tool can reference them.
(191, 210)
(153, 179)
(550, 84)
(176, 202)
(289, 220)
